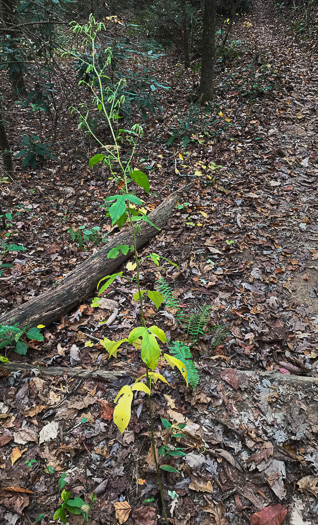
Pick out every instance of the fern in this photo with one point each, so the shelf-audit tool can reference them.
(183, 352)
(197, 322)
(171, 302)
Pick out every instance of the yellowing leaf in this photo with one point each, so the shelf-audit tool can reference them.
(131, 266)
(221, 114)
(227, 120)
(15, 455)
(203, 213)
(199, 224)
(180, 156)
(137, 344)
(141, 387)
(41, 326)
(154, 376)
(112, 346)
(176, 171)
(89, 343)
(122, 412)
(159, 333)
(198, 173)
(173, 361)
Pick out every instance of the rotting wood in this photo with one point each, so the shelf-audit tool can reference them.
(279, 377)
(76, 286)
(60, 371)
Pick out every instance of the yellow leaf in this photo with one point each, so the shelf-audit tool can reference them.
(221, 114)
(141, 481)
(227, 120)
(180, 156)
(173, 361)
(41, 326)
(137, 344)
(122, 412)
(89, 343)
(203, 213)
(15, 455)
(198, 173)
(112, 346)
(154, 376)
(131, 266)
(199, 224)
(141, 387)
(176, 171)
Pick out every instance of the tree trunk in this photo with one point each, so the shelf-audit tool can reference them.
(186, 47)
(73, 289)
(5, 148)
(16, 73)
(208, 50)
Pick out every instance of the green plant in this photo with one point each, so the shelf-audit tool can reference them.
(183, 353)
(34, 151)
(220, 332)
(198, 322)
(30, 462)
(172, 431)
(72, 506)
(170, 300)
(6, 248)
(10, 335)
(83, 234)
(125, 207)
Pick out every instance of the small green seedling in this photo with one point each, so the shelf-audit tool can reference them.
(10, 335)
(72, 506)
(30, 462)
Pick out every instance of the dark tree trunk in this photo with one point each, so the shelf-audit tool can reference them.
(80, 283)
(16, 74)
(186, 47)
(5, 148)
(208, 50)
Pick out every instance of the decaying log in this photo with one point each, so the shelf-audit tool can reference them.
(76, 286)
(60, 371)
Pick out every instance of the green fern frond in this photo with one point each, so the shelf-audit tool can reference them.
(171, 302)
(198, 322)
(183, 352)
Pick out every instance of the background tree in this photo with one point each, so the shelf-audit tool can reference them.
(208, 50)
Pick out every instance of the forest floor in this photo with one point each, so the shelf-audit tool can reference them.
(246, 242)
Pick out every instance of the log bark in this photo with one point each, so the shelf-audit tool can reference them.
(7, 368)
(76, 286)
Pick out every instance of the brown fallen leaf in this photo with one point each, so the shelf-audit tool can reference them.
(145, 516)
(265, 453)
(217, 512)
(5, 438)
(272, 515)
(201, 485)
(34, 411)
(107, 410)
(17, 489)
(122, 509)
(230, 376)
(309, 484)
(16, 503)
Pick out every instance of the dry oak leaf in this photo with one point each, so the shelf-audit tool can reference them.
(145, 516)
(230, 376)
(217, 512)
(34, 411)
(16, 503)
(25, 435)
(107, 409)
(5, 438)
(122, 509)
(201, 485)
(272, 515)
(309, 484)
(49, 432)
(176, 416)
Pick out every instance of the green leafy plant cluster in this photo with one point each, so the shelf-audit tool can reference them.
(171, 301)
(172, 431)
(183, 353)
(84, 235)
(197, 322)
(72, 505)
(34, 151)
(12, 335)
(6, 248)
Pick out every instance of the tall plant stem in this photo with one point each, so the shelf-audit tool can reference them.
(154, 451)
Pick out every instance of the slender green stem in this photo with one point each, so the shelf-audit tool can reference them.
(154, 450)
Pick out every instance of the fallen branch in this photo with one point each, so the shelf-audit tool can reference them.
(60, 371)
(75, 287)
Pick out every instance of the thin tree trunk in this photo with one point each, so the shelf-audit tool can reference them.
(208, 50)
(186, 47)
(5, 148)
(16, 74)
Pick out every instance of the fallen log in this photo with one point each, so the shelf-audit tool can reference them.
(7, 368)
(76, 286)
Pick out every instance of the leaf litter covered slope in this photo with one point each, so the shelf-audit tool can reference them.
(247, 246)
